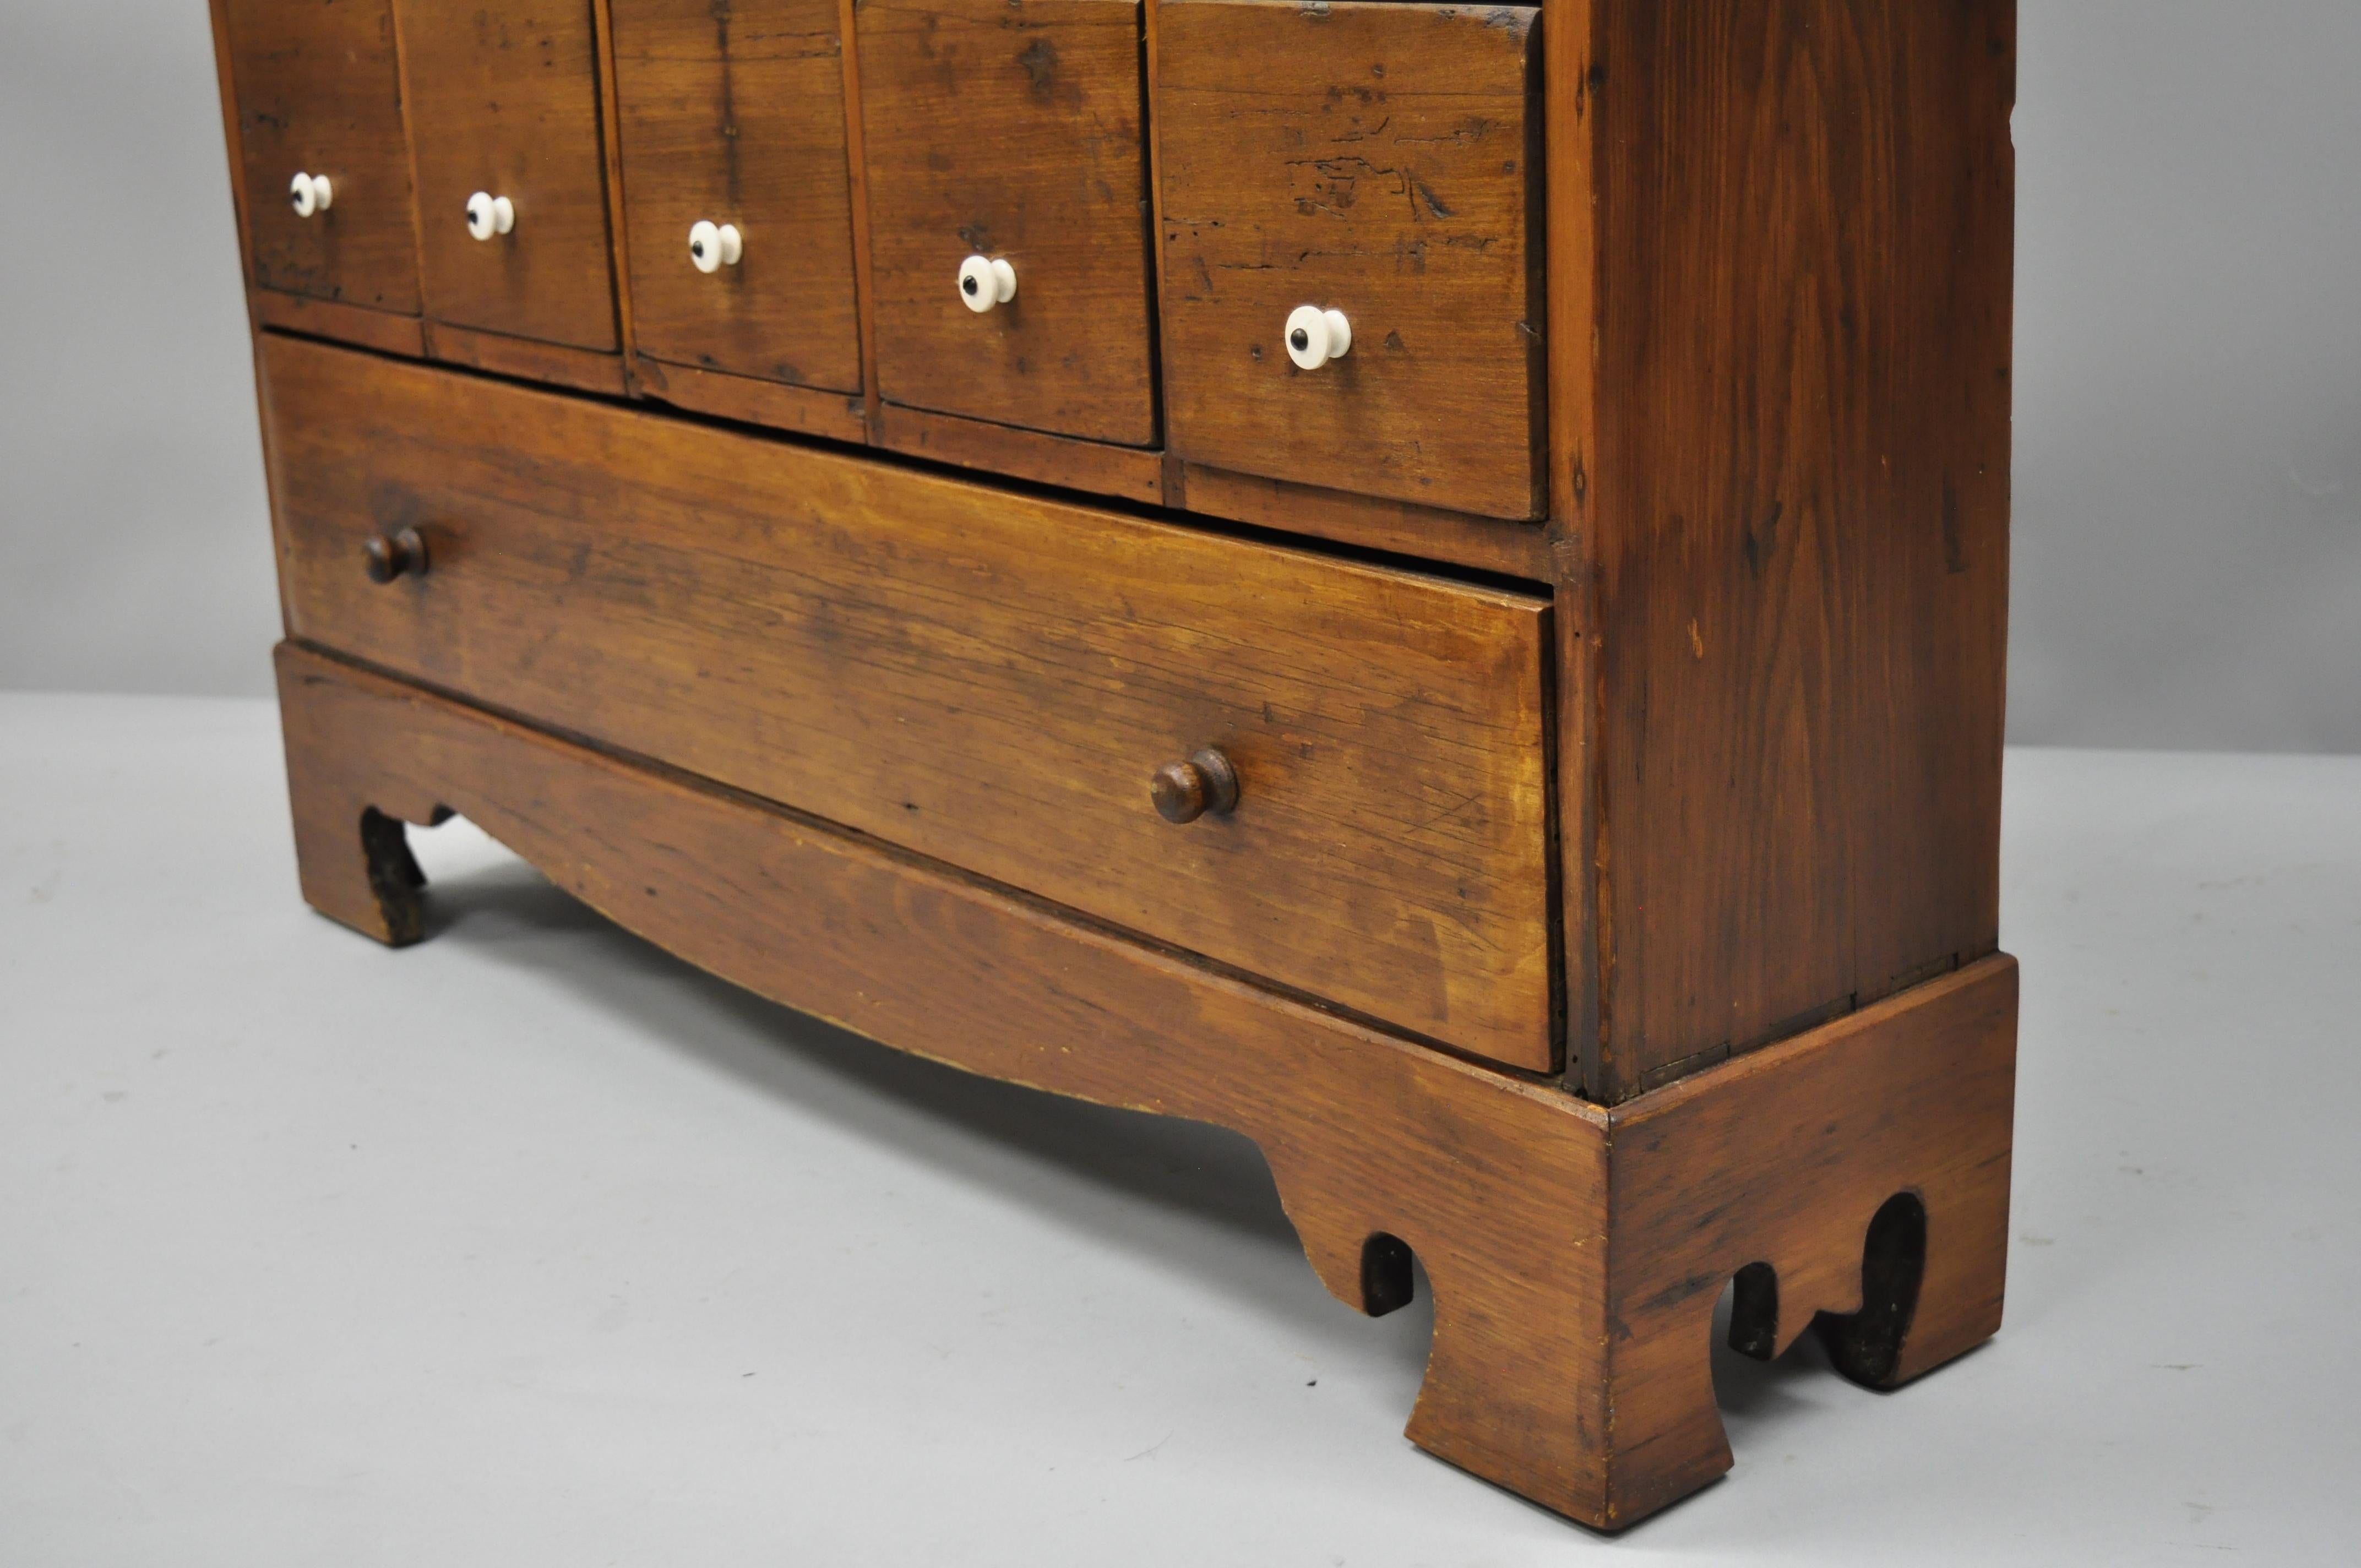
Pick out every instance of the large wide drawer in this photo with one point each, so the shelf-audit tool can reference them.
(984, 677)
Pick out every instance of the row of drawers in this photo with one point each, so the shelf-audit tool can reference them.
(1329, 773)
(1184, 206)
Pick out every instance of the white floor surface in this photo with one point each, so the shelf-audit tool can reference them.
(534, 1245)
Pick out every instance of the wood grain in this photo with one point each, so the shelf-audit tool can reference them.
(1125, 471)
(318, 91)
(1916, 1097)
(1516, 550)
(1575, 1253)
(504, 98)
(734, 113)
(864, 283)
(527, 358)
(1571, 281)
(1798, 510)
(381, 330)
(1382, 159)
(610, 164)
(751, 401)
(1010, 127)
(985, 677)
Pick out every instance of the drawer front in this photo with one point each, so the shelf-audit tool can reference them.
(1381, 160)
(504, 100)
(734, 115)
(986, 678)
(318, 94)
(1010, 129)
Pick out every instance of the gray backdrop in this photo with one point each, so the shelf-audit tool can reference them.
(2188, 566)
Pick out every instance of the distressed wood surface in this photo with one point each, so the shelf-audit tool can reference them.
(317, 90)
(386, 333)
(856, 158)
(1796, 511)
(1750, 1170)
(610, 167)
(985, 677)
(1575, 1253)
(1570, 448)
(841, 416)
(1377, 159)
(734, 113)
(1010, 127)
(527, 358)
(504, 98)
(1130, 472)
(1779, 476)
(1516, 550)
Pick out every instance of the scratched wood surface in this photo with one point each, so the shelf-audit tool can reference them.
(1377, 159)
(318, 91)
(734, 113)
(376, 329)
(1795, 512)
(1575, 1253)
(527, 358)
(1516, 550)
(842, 416)
(985, 677)
(1135, 474)
(1011, 127)
(504, 98)
(1760, 1163)
(1780, 436)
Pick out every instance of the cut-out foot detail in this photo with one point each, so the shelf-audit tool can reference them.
(394, 878)
(1387, 1282)
(1575, 1253)
(1866, 1345)
(352, 847)
(1754, 1311)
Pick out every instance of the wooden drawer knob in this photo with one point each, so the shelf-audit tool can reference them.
(310, 193)
(986, 281)
(488, 214)
(395, 555)
(1185, 791)
(711, 246)
(1314, 336)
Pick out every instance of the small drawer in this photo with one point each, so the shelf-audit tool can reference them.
(737, 197)
(1351, 257)
(512, 178)
(1004, 159)
(1016, 685)
(318, 96)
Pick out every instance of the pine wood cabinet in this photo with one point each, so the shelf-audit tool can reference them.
(1426, 582)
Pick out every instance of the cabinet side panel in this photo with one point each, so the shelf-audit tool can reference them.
(1801, 508)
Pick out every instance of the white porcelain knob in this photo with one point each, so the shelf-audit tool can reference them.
(1315, 336)
(709, 246)
(488, 214)
(310, 193)
(986, 281)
